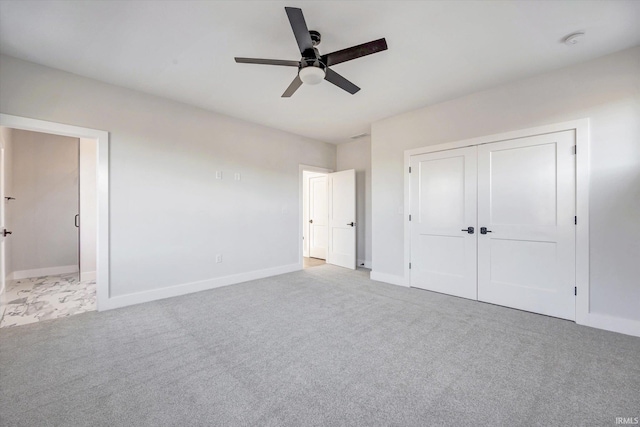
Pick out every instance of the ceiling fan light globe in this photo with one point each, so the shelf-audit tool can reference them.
(312, 75)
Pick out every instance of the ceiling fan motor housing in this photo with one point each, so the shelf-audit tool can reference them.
(312, 62)
(315, 37)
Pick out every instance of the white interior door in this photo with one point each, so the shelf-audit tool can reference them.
(318, 217)
(526, 201)
(443, 207)
(3, 271)
(342, 219)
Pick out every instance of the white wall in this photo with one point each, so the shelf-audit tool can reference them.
(607, 91)
(88, 208)
(357, 155)
(169, 215)
(45, 185)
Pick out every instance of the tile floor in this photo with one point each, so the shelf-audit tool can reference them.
(43, 298)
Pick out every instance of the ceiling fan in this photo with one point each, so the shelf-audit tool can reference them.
(313, 67)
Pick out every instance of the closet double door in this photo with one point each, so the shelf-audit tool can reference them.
(495, 223)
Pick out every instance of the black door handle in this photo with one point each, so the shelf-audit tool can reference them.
(76, 221)
(5, 232)
(483, 230)
(352, 223)
(469, 230)
(310, 221)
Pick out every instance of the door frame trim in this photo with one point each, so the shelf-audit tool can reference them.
(102, 189)
(581, 128)
(301, 169)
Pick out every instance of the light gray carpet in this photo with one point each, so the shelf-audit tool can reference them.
(324, 346)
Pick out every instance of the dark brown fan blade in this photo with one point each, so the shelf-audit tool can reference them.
(268, 62)
(295, 84)
(341, 82)
(300, 31)
(354, 52)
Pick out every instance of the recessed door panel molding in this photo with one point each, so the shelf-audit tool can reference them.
(342, 217)
(512, 257)
(527, 191)
(443, 222)
(526, 208)
(442, 254)
(341, 242)
(438, 180)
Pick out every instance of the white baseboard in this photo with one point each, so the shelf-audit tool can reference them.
(389, 278)
(614, 324)
(364, 263)
(37, 272)
(188, 288)
(593, 320)
(87, 275)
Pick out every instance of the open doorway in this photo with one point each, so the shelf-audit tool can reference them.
(49, 213)
(315, 218)
(49, 259)
(327, 217)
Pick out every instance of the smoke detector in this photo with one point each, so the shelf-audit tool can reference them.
(573, 38)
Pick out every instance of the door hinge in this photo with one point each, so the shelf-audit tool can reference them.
(409, 217)
(409, 169)
(575, 290)
(409, 266)
(575, 220)
(575, 149)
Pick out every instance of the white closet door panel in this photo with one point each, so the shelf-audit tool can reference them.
(443, 205)
(526, 200)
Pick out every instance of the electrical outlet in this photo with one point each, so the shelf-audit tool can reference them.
(218, 259)
(237, 176)
(218, 174)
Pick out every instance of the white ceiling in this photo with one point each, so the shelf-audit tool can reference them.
(438, 50)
